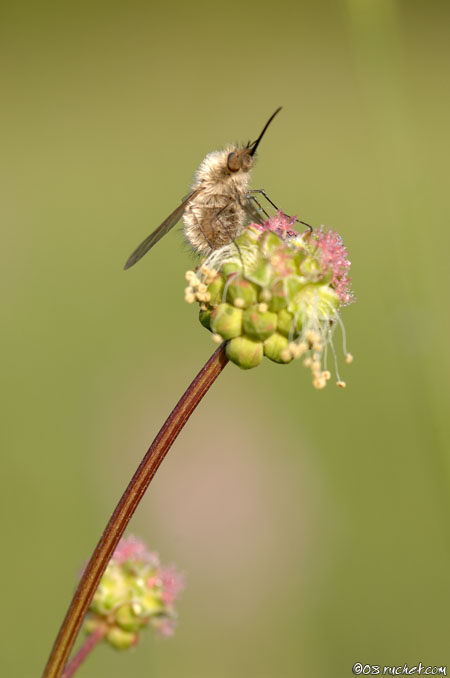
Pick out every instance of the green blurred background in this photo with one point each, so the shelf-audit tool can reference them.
(313, 527)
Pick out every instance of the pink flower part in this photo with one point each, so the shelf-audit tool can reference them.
(165, 627)
(332, 251)
(134, 549)
(172, 584)
(280, 224)
(333, 255)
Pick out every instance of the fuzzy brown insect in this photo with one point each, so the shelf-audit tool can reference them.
(219, 203)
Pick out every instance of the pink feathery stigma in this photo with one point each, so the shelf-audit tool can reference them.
(132, 548)
(172, 584)
(280, 224)
(334, 257)
(164, 627)
(333, 254)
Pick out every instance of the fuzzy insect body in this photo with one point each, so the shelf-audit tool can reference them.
(217, 214)
(218, 205)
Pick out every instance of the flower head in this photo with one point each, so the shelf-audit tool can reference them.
(134, 592)
(277, 293)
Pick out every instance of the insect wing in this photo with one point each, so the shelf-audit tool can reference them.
(157, 234)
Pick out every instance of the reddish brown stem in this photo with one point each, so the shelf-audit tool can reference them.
(125, 509)
(91, 641)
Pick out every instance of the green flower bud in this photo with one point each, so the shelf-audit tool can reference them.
(311, 268)
(261, 273)
(112, 591)
(318, 300)
(151, 603)
(259, 323)
(294, 287)
(276, 348)
(229, 268)
(245, 352)
(215, 289)
(205, 318)
(277, 293)
(241, 293)
(126, 618)
(121, 639)
(270, 243)
(92, 623)
(134, 591)
(278, 298)
(285, 320)
(226, 320)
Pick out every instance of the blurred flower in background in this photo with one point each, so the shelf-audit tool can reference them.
(135, 591)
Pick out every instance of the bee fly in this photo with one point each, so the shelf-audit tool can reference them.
(219, 203)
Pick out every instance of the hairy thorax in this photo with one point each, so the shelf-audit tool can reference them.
(216, 215)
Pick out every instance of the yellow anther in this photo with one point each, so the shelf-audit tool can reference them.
(217, 338)
(239, 302)
(319, 382)
(349, 358)
(209, 273)
(341, 384)
(302, 347)
(189, 298)
(294, 350)
(286, 355)
(292, 353)
(266, 295)
(326, 374)
(262, 308)
(202, 288)
(315, 367)
(307, 362)
(312, 336)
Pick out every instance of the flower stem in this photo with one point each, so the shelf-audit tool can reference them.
(125, 509)
(91, 641)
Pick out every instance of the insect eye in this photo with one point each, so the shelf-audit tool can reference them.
(233, 162)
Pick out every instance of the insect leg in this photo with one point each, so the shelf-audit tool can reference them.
(222, 209)
(261, 208)
(240, 256)
(262, 192)
(202, 231)
(255, 215)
